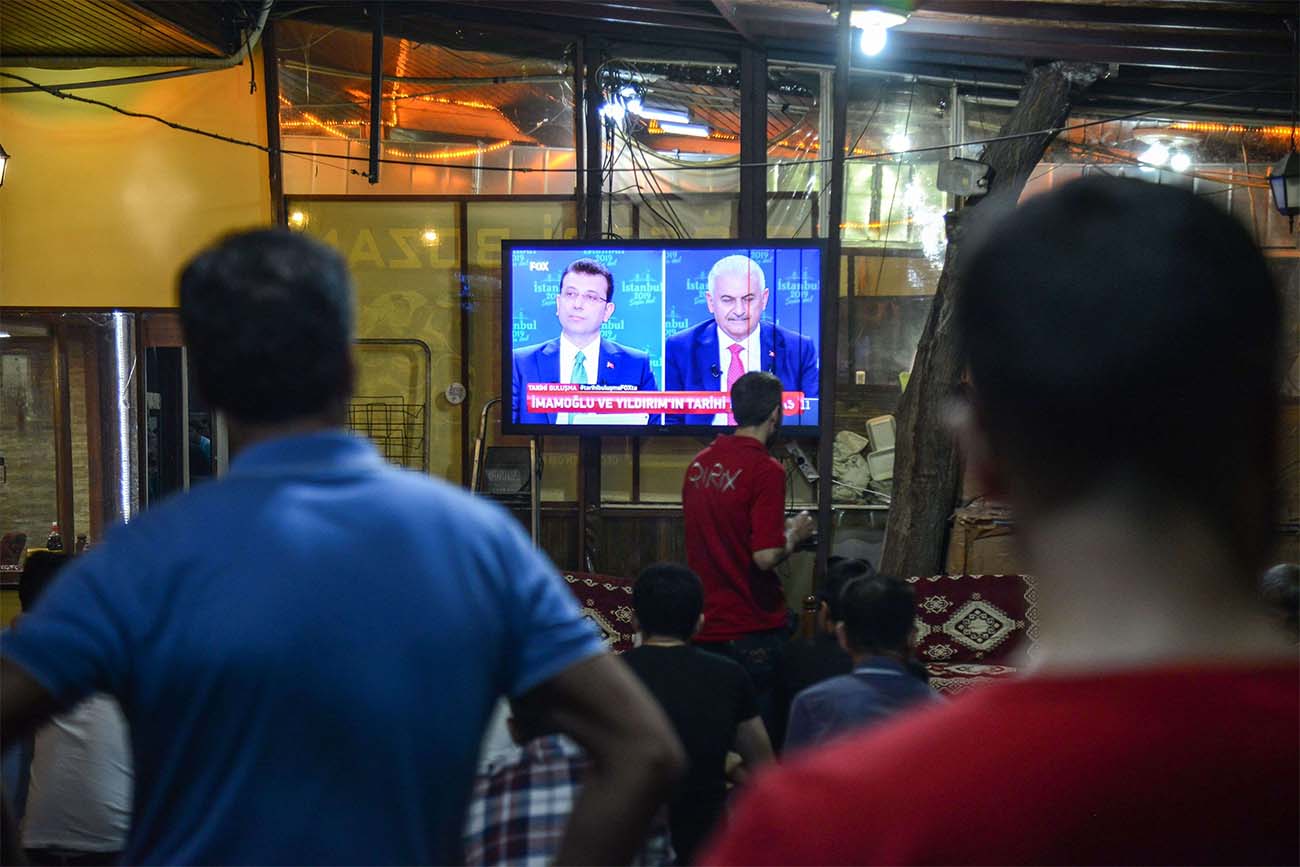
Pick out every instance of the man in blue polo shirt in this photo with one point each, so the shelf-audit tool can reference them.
(307, 650)
(876, 632)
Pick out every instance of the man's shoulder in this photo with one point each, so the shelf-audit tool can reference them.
(615, 349)
(787, 335)
(739, 453)
(832, 686)
(690, 334)
(534, 348)
(715, 662)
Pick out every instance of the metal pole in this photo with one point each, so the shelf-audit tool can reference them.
(274, 162)
(376, 86)
(830, 287)
(589, 446)
(753, 143)
(535, 490)
(64, 511)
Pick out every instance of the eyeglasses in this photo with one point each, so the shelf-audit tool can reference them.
(572, 295)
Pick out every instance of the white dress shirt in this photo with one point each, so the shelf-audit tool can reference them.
(750, 356)
(591, 362)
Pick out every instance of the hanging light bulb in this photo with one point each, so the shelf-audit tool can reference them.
(1157, 154)
(873, 40)
(1180, 161)
(613, 111)
(875, 22)
(899, 142)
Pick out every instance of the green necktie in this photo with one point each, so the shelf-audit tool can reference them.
(578, 377)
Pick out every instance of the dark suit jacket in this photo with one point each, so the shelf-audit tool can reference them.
(619, 365)
(691, 363)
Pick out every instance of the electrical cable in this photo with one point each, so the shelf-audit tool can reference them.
(886, 218)
(826, 185)
(1054, 130)
(657, 188)
(636, 179)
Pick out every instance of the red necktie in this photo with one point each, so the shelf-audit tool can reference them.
(735, 371)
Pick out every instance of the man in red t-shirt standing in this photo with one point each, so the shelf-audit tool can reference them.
(1100, 322)
(733, 500)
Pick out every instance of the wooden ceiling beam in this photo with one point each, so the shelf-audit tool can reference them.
(727, 9)
(1063, 50)
(1189, 43)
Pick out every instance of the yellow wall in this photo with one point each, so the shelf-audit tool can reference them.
(100, 210)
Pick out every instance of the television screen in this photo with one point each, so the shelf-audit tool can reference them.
(646, 337)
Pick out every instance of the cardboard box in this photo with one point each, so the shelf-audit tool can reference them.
(982, 542)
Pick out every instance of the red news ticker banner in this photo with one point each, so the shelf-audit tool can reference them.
(545, 397)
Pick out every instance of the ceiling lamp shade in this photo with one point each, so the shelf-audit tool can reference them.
(875, 19)
(1284, 178)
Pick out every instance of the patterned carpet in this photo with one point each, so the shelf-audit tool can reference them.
(969, 628)
(606, 601)
(973, 628)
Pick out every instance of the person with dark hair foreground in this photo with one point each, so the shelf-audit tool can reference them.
(294, 698)
(1160, 725)
(877, 614)
(709, 699)
(733, 504)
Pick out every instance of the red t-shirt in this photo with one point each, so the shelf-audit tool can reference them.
(1173, 765)
(733, 500)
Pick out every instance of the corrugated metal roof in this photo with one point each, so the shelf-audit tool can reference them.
(112, 28)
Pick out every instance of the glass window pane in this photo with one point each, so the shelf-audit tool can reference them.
(489, 223)
(404, 259)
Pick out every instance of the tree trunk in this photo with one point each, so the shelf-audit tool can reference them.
(926, 470)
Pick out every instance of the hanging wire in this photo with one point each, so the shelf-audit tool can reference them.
(1054, 130)
(652, 181)
(885, 218)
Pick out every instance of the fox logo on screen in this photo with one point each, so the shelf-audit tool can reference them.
(539, 266)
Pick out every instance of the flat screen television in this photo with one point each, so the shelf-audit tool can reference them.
(644, 337)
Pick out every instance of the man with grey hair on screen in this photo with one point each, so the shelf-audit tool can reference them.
(712, 355)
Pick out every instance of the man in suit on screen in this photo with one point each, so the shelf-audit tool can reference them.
(580, 356)
(712, 355)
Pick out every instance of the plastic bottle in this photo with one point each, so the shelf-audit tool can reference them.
(54, 541)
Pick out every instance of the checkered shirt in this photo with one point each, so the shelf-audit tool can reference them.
(521, 804)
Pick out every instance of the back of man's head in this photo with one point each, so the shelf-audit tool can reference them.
(754, 396)
(1122, 339)
(268, 319)
(878, 613)
(668, 599)
(840, 571)
(39, 570)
